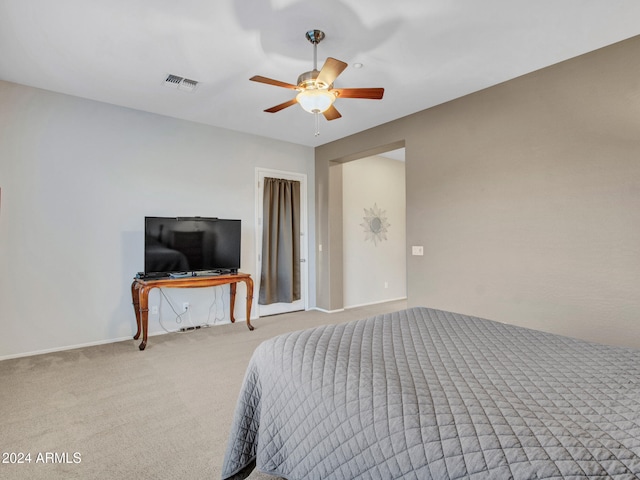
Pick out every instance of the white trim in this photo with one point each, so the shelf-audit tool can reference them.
(112, 340)
(304, 230)
(375, 303)
(69, 347)
(327, 311)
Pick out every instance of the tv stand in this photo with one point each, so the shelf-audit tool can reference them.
(141, 287)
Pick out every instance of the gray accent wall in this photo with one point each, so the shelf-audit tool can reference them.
(525, 196)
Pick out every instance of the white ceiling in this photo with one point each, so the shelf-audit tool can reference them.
(423, 52)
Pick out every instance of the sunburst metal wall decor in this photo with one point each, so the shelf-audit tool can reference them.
(375, 224)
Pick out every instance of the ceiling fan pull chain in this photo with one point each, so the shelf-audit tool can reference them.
(317, 115)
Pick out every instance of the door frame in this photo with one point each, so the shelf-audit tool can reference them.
(304, 235)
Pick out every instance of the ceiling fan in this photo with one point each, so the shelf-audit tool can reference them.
(315, 88)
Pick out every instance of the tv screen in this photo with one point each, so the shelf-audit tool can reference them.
(191, 244)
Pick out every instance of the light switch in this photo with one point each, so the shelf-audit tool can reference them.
(417, 250)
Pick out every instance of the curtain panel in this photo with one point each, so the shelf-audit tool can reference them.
(280, 276)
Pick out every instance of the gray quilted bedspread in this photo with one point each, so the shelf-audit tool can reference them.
(422, 394)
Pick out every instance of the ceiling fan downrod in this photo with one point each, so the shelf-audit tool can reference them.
(315, 37)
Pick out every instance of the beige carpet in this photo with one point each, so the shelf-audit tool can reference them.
(164, 413)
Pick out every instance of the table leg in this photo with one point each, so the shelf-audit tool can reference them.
(135, 297)
(232, 300)
(249, 283)
(144, 315)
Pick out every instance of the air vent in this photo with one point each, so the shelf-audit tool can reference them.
(174, 80)
(181, 83)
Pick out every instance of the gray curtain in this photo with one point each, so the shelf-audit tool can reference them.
(280, 277)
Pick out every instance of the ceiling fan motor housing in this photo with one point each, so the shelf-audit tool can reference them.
(307, 80)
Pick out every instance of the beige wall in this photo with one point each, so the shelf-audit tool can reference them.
(373, 272)
(526, 197)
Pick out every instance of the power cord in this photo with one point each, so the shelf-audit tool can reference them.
(215, 304)
(178, 315)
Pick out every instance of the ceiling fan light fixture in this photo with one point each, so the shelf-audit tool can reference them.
(315, 100)
(316, 93)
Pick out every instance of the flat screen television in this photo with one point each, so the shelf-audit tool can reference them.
(190, 245)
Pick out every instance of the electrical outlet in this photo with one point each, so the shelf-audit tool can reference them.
(185, 306)
(386, 284)
(154, 310)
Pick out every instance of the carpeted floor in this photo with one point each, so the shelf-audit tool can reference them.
(113, 412)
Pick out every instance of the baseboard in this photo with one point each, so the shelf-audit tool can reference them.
(62, 349)
(90, 344)
(375, 303)
(327, 311)
(356, 306)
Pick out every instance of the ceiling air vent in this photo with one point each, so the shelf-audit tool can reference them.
(180, 83)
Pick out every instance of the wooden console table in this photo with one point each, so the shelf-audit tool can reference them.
(141, 287)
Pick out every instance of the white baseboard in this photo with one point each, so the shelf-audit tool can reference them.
(327, 311)
(94, 344)
(375, 303)
(68, 347)
(356, 306)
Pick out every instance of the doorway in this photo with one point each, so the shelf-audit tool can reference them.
(374, 229)
(328, 209)
(302, 303)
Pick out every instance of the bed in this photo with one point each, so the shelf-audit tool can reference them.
(423, 393)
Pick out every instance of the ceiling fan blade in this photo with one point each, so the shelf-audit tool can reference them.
(282, 106)
(330, 70)
(270, 81)
(331, 113)
(369, 93)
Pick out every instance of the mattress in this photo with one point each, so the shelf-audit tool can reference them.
(423, 393)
